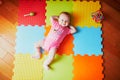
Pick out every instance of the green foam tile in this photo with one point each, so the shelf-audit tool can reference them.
(56, 7)
(61, 68)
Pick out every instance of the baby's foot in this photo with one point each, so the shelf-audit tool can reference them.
(37, 56)
(46, 67)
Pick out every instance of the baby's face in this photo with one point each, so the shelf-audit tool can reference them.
(64, 20)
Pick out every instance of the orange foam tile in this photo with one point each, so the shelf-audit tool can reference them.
(47, 29)
(88, 67)
(66, 47)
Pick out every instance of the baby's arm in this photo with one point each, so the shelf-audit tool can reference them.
(72, 29)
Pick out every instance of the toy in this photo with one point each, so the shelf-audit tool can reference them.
(30, 14)
(97, 16)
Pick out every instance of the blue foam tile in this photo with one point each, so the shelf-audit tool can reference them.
(88, 41)
(26, 36)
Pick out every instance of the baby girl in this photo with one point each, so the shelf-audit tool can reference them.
(61, 27)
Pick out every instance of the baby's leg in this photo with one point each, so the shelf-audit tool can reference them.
(38, 47)
(50, 58)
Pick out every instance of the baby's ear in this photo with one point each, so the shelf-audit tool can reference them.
(71, 26)
(57, 17)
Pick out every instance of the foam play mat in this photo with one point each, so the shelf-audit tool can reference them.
(79, 56)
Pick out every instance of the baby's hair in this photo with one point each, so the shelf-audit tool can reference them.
(66, 13)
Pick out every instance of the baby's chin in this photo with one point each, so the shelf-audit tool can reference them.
(64, 25)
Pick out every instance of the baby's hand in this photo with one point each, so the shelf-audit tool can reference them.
(72, 29)
(54, 17)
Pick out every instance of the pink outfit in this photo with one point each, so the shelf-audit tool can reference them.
(55, 36)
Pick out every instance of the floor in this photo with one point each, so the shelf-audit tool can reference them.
(111, 39)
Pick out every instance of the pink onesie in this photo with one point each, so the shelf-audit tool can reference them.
(55, 36)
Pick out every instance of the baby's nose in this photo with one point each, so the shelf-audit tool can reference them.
(64, 22)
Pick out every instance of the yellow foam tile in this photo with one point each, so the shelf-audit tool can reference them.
(27, 68)
(82, 13)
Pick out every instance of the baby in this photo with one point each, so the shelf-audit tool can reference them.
(60, 29)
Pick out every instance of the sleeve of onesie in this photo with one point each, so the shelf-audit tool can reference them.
(69, 31)
(53, 22)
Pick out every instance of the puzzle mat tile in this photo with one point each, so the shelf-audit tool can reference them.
(62, 68)
(55, 7)
(26, 36)
(65, 67)
(27, 6)
(88, 67)
(88, 41)
(82, 13)
(80, 10)
(66, 47)
(27, 68)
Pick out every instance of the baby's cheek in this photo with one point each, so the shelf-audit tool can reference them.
(59, 22)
